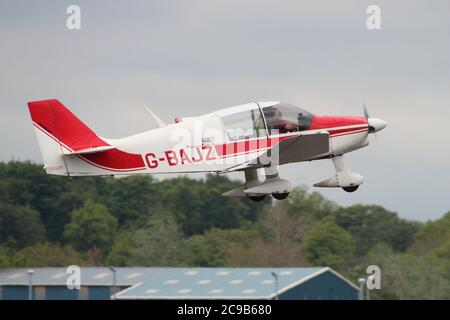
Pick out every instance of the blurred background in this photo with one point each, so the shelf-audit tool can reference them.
(184, 58)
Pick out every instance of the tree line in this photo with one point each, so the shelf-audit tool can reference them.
(141, 221)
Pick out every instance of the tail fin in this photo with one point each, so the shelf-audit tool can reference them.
(70, 148)
(60, 132)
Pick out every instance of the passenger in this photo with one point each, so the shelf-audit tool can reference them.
(260, 127)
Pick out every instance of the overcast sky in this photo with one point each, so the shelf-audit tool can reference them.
(192, 57)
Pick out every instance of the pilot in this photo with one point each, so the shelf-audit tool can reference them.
(290, 126)
(275, 120)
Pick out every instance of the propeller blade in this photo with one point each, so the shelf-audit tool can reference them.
(366, 112)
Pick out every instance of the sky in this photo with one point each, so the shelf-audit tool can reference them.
(187, 58)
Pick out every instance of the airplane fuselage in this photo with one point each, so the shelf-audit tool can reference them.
(200, 144)
(240, 138)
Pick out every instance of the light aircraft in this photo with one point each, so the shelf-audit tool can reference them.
(255, 138)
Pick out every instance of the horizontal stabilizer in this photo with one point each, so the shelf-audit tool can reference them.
(91, 150)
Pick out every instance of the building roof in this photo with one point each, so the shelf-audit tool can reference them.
(222, 283)
(177, 283)
(93, 276)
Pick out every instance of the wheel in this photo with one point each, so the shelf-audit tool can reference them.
(350, 189)
(257, 198)
(280, 196)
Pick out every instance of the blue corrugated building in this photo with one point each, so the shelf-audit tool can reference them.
(180, 283)
(51, 283)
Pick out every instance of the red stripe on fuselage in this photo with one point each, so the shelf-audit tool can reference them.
(341, 131)
(116, 160)
(113, 160)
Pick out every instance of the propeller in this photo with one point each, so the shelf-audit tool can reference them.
(375, 124)
(367, 116)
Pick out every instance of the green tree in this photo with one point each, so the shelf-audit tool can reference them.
(326, 244)
(217, 247)
(404, 276)
(120, 253)
(442, 251)
(131, 199)
(206, 252)
(408, 277)
(159, 243)
(26, 184)
(432, 236)
(311, 205)
(91, 228)
(281, 231)
(20, 226)
(61, 204)
(199, 205)
(374, 224)
(5, 257)
(46, 254)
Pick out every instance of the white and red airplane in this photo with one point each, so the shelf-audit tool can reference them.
(254, 138)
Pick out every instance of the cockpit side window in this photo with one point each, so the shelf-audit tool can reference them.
(244, 125)
(284, 118)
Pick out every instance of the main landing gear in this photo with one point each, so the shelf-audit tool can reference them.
(273, 184)
(257, 198)
(257, 190)
(278, 196)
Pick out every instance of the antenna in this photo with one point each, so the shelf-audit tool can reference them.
(155, 117)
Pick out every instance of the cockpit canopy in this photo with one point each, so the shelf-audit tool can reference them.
(279, 118)
(284, 118)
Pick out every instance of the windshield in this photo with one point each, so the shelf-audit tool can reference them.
(284, 118)
(244, 125)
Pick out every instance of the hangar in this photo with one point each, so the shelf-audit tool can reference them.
(129, 283)
(244, 283)
(51, 283)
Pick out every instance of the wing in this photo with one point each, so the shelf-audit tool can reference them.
(303, 147)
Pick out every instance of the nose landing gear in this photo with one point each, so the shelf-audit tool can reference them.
(350, 189)
(344, 178)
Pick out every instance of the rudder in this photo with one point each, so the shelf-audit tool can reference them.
(59, 132)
